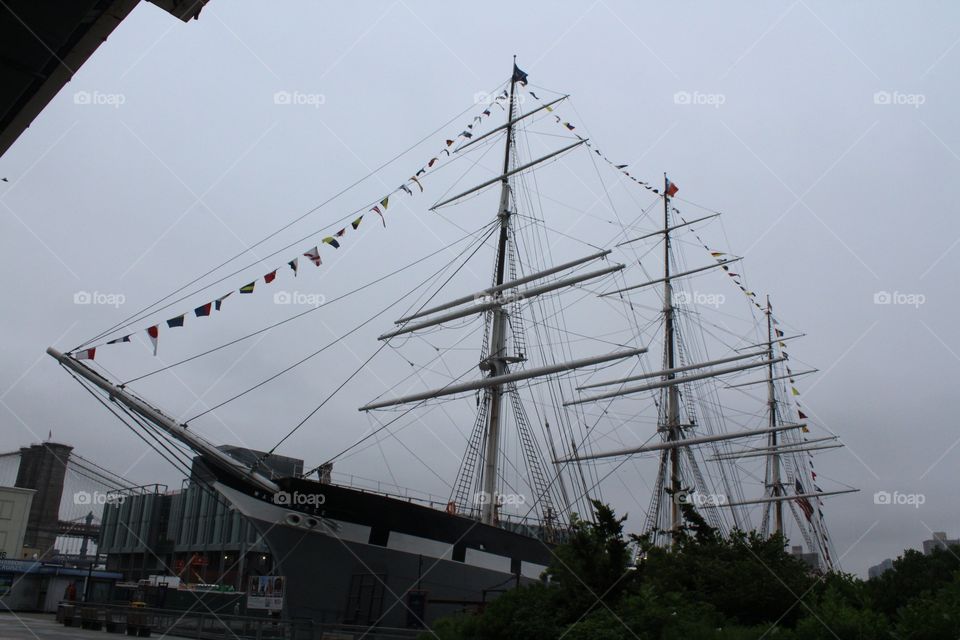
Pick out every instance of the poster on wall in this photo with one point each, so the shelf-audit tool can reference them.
(265, 592)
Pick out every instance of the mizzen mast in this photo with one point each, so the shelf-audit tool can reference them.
(774, 483)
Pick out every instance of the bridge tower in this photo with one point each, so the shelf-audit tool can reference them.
(43, 468)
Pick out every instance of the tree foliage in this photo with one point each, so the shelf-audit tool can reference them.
(603, 586)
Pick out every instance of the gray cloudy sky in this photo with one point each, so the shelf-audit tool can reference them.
(825, 131)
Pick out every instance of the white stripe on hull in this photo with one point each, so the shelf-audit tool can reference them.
(284, 516)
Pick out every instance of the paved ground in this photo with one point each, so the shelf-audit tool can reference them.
(36, 626)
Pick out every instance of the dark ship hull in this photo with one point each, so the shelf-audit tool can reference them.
(363, 558)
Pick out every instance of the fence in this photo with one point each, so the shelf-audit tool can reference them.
(143, 622)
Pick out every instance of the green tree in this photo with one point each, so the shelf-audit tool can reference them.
(746, 578)
(706, 585)
(593, 566)
(841, 608)
(644, 613)
(913, 574)
(933, 616)
(527, 613)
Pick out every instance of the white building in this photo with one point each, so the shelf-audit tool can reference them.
(14, 510)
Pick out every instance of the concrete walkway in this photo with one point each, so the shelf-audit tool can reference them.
(43, 626)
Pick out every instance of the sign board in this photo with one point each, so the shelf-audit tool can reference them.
(265, 592)
(18, 566)
(173, 582)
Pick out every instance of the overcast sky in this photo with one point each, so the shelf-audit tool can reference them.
(825, 132)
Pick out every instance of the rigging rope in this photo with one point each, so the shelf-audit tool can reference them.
(312, 355)
(139, 314)
(303, 313)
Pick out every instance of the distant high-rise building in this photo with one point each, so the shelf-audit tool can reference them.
(939, 541)
(879, 569)
(812, 559)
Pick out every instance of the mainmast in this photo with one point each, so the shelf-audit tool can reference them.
(672, 422)
(497, 379)
(496, 361)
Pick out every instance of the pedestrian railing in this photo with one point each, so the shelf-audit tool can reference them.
(143, 622)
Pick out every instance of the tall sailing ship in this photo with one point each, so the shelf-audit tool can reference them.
(550, 360)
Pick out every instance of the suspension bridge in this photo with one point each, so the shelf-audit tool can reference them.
(71, 492)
